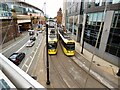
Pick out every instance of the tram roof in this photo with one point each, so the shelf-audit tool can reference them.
(65, 37)
(52, 31)
(52, 37)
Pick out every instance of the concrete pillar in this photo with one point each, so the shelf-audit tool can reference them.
(103, 2)
(68, 23)
(73, 27)
(92, 3)
(84, 19)
(106, 31)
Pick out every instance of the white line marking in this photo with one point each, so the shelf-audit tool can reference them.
(33, 57)
(24, 63)
(12, 45)
(22, 46)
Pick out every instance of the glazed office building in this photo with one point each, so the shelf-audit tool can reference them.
(96, 18)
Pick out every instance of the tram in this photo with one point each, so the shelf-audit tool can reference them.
(68, 45)
(52, 43)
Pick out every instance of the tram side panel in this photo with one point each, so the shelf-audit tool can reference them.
(52, 45)
(68, 46)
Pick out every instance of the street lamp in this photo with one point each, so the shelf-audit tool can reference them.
(83, 43)
(47, 61)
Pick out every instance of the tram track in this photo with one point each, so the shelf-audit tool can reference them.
(54, 66)
(64, 73)
(67, 66)
(78, 67)
(68, 72)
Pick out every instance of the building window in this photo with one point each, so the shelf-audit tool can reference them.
(4, 10)
(70, 11)
(73, 9)
(97, 2)
(115, 1)
(74, 31)
(89, 3)
(70, 23)
(92, 28)
(113, 44)
(76, 7)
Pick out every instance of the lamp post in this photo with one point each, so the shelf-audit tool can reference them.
(47, 61)
(83, 44)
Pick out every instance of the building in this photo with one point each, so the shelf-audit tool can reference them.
(59, 17)
(96, 20)
(24, 16)
(64, 12)
(74, 17)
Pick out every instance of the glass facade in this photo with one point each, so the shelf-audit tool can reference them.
(70, 23)
(75, 24)
(4, 10)
(98, 2)
(115, 1)
(113, 44)
(92, 28)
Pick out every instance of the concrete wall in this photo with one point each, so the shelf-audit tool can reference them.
(10, 28)
(84, 19)
(105, 34)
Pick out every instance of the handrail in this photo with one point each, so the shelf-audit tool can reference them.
(17, 76)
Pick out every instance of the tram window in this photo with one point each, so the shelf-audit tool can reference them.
(52, 45)
(5, 7)
(70, 47)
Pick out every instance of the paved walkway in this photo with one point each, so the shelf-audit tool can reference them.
(104, 70)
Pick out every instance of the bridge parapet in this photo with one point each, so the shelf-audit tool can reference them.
(17, 76)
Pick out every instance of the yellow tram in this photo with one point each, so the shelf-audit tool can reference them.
(52, 43)
(68, 45)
